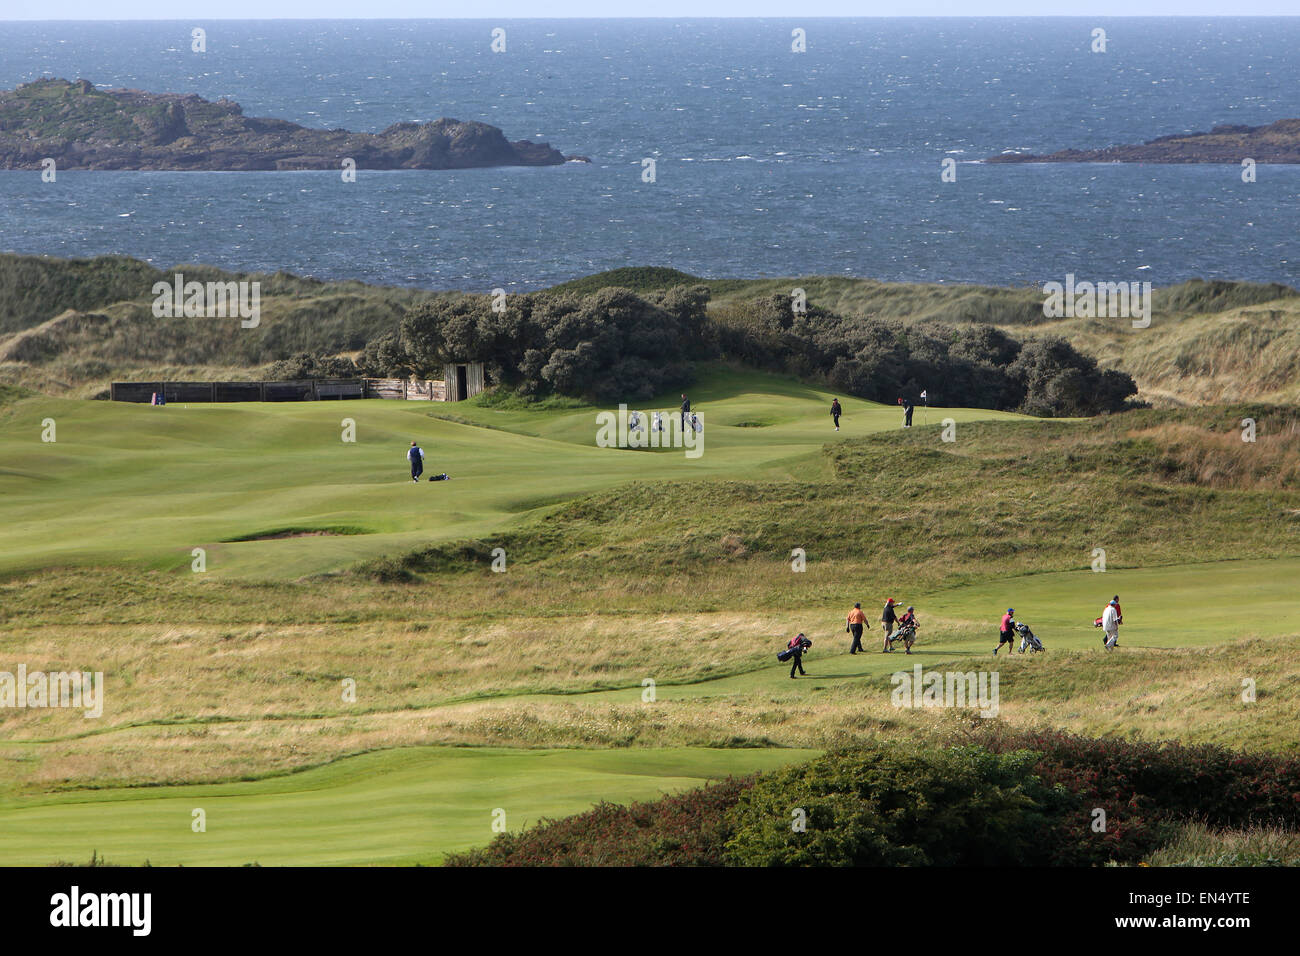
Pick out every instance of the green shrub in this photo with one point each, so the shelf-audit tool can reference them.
(611, 345)
(685, 829)
(897, 806)
(885, 359)
(306, 365)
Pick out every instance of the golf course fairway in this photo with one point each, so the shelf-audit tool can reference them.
(316, 652)
(398, 807)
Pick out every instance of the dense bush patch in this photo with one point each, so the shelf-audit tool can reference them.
(1012, 799)
(610, 345)
(885, 359)
(896, 806)
(615, 344)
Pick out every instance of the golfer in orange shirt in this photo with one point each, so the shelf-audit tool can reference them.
(854, 624)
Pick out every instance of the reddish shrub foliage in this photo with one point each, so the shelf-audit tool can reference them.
(1145, 788)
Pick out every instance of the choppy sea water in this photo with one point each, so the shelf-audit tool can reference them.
(768, 162)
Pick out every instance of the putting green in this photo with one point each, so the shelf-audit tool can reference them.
(136, 484)
(394, 807)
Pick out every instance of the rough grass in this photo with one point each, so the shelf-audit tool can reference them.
(1198, 845)
(1035, 497)
(70, 326)
(1224, 460)
(185, 707)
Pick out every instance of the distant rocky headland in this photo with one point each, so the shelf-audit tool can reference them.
(1276, 143)
(82, 127)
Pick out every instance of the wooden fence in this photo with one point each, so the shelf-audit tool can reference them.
(428, 391)
(300, 390)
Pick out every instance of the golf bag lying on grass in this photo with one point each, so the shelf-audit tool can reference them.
(443, 477)
(906, 634)
(788, 653)
(1027, 639)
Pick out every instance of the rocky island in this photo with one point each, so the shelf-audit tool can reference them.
(82, 127)
(1276, 143)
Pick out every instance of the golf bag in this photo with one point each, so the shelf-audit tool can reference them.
(443, 477)
(906, 634)
(1027, 639)
(788, 653)
(1105, 637)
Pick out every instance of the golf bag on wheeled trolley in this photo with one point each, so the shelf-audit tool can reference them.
(1028, 642)
(906, 634)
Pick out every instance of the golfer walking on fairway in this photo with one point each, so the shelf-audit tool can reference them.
(798, 644)
(887, 621)
(416, 457)
(1006, 632)
(1110, 623)
(854, 624)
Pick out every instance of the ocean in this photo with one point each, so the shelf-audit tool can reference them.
(767, 162)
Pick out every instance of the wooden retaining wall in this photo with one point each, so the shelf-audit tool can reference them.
(300, 390)
(428, 391)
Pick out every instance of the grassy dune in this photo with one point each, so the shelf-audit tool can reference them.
(69, 327)
(1249, 353)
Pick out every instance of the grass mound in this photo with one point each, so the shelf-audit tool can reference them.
(636, 278)
(1036, 497)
